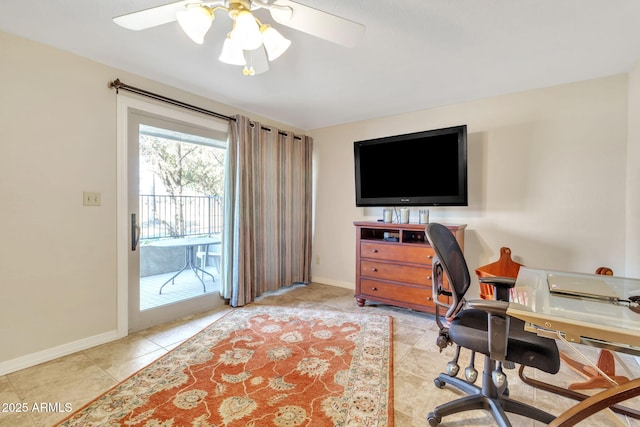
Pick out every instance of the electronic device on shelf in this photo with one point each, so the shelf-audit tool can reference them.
(391, 237)
(426, 168)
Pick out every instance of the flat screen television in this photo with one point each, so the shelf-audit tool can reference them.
(426, 168)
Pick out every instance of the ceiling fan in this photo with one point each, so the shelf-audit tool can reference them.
(251, 43)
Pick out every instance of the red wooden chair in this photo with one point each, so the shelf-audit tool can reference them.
(504, 267)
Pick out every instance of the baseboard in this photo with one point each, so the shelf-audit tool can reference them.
(338, 283)
(36, 358)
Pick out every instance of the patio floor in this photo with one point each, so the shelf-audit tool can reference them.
(186, 285)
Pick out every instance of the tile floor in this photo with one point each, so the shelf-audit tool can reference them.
(72, 381)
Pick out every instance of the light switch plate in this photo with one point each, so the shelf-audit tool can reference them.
(90, 198)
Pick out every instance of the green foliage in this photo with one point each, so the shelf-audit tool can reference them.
(185, 168)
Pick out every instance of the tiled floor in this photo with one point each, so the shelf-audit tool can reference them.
(80, 377)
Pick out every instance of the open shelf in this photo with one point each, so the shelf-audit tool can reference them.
(385, 234)
(404, 233)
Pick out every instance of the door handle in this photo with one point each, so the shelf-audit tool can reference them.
(135, 232)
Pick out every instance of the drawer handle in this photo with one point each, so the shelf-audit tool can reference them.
(428, 277)
(374, 289)
(375, 251)
(429, 298)
(374, 269)
(429, 256)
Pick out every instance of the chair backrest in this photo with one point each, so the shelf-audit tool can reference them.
(450, 256)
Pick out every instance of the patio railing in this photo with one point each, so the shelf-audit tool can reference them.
(163, 216)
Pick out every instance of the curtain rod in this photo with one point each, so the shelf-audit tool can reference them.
(117, 85)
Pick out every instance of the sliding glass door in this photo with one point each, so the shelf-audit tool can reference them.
(175, 176)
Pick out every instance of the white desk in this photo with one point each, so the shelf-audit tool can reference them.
(582, 320)
(608, 324)
(189, 243)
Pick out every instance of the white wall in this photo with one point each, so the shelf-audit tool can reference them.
(547, 178)
(58, 257)
(633, 176)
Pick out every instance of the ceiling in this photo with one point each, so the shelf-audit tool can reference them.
(416, 54)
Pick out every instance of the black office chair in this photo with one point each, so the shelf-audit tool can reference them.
(481, 326)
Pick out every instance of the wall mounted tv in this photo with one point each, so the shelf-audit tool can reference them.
(426, 168)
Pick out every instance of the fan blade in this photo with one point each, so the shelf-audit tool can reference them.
(152, 17)
(320, 24)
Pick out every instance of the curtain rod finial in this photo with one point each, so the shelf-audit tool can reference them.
(115, 84)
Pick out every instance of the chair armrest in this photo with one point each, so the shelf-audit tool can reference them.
(437, 286)
(501, 282)
(502, 286)
(489, 306)
(498, 323)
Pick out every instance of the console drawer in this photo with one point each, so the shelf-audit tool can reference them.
(397, 272)
(378, 290)
(396, 252)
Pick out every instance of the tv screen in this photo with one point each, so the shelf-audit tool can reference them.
(426, 168)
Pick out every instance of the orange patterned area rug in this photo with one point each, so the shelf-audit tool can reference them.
(262, 366)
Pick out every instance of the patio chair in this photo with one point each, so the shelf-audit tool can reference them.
(205, 252)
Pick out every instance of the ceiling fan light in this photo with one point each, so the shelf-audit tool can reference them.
(274, 42)
(232, 53)
(246, 31)
(195, 21)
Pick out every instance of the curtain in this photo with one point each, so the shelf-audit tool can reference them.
(267, 225)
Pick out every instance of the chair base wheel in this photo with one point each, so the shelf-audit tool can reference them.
(433, 420)
(439, 383)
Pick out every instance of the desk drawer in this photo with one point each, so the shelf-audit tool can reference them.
(395, 252)
(417, 295)
(397, 272)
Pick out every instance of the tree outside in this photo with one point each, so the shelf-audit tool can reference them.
(184, 173)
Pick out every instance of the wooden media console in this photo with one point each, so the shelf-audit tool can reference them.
(393, 264)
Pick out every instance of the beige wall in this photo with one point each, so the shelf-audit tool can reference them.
(57, 257)
(547, 177)
(633, 176)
